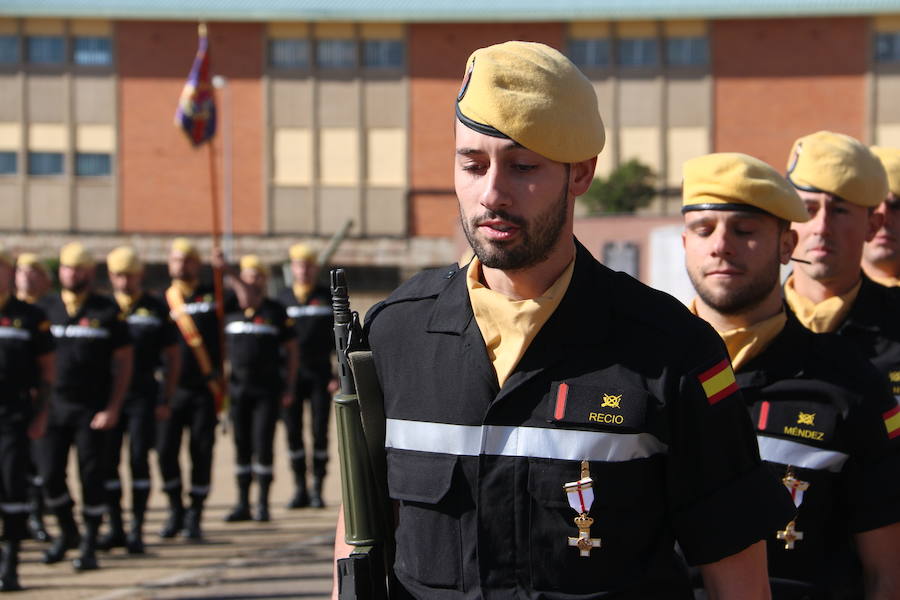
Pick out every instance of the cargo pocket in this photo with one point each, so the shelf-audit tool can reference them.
(429, 541)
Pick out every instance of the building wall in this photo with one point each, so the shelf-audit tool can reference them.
(778, 79)
(165, 183)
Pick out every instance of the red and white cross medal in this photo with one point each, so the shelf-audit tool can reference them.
(789, 534)
(581, 496)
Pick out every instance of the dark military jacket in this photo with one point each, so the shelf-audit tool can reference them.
(152, 330)
(314, 325)
(24, 336)
(621, 376)
(820, 407)
(201, 305)
(254, 341)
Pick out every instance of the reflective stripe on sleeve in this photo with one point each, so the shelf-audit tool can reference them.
(79, 331)
(242, 327)
(787, 452)
(14, 508)
(536, 442)
(295, 312)
(14, 333)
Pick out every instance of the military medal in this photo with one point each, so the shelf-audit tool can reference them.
(790, 534)
(581, 496)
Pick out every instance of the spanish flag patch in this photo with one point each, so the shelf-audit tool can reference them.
(892, 422)
(718, 382)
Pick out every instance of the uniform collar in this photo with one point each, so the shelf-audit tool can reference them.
(782, 359)
(869, 308)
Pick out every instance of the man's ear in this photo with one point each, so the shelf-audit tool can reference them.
(876, 220)
(581, 176)
(789, 239)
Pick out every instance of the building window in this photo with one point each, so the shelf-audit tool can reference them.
(687, 51)
(46, 49)
(590, 53)
(45, 163)
(383, 54)
(93, 51)
(636, 52)
(887, 47)
(9, 162)
(289, 53)
(336, 54)
(89, 164)
(9, 49)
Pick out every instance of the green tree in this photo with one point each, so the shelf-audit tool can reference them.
(629, 187)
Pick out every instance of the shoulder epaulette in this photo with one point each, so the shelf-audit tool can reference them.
(424, 284)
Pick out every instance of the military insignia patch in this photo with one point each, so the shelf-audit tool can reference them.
(611, 401)
(718, 382)
(806, 418)
(576, 403)
(465, 82)
(892, 422)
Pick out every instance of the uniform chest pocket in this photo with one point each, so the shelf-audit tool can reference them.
(806, 421)
(428, 533)
(597, 406)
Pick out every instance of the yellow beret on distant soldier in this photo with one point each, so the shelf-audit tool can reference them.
(5, 257)
(890, 159)
(252, 262)
(303, 252)
(74, 254)
(185, 246)
(734, 181)
(534, 95)
(123, 260)
(840, 165)
(31, 260)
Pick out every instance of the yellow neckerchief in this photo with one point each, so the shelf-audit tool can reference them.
(746, 343)
(126, 301)
(886, 281)
(186, 288)
(825, 316)
(73, 301)
(27, 297)
(302, 291)
(508, 326)
(4, 298)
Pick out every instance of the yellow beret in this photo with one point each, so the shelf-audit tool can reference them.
(890, 159)
(252, 261)
(30, 259)
(123, 260)
(837, 164)
(185, 247)
(74, 254)
(532, 94)
(734, 181)
(303, 252)
(5, 257)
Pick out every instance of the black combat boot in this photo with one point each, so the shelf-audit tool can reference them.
(9, 567)
(241, 510)
(192, 519)
(315, 496)
(175, 522)
(36, 516)
(67, 539)
(115, 537)
(301, 496)
(87, 551)
(134, 543)
(262, 508)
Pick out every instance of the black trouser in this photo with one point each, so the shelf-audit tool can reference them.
(195, 410)
(14, 463)
(253, 418)
(67, 425)
(312, 386)
(138, 420)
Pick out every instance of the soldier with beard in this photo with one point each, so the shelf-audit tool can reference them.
(817, 405)
(554, 428)
(881, 255)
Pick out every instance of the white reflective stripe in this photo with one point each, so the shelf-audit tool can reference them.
(796, 454)
(320, 310)
(193, 308)
(243, 469)
(140, 484)
(243, 327)
(96, 510)
(113, 484)
(297, 454)
(14, 333)
(37, 481)
(320, 454)
(58, 501)
(78, 331)
(199, 490)
(15, 508)
(262, 469)
(144, 320)
(537, 442)
(172, 484)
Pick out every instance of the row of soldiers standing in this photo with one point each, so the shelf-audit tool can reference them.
(80, 368)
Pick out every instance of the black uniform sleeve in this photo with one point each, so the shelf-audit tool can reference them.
(118, 329)
(722, 497)
(42, 339)
(286, 329)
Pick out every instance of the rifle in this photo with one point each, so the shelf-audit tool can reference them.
(365, 574)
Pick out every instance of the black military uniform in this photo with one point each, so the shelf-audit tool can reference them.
(819, 407)
(254, 340)
(192, 407)
(152, 330)
(315, 335)
(616, 376)
(85, 343)
(24, 337)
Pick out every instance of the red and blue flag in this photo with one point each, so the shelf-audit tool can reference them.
(196, 113)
